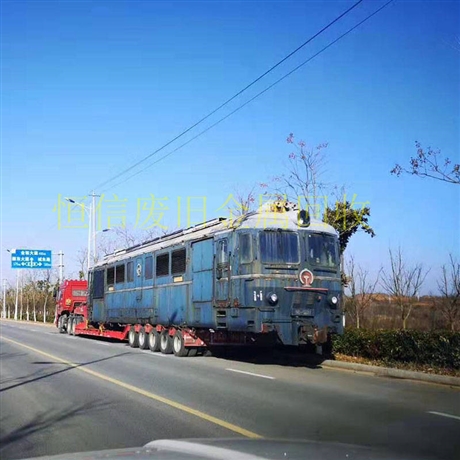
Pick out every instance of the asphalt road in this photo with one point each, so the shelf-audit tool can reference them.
(62, 394)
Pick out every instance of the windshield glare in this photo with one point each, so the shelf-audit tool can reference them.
(279, 247)
(322, 250)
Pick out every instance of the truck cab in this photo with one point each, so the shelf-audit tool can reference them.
(71, 294)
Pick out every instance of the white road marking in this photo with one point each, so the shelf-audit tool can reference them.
(105, 344)
(456, 417)
(250, 373)
(161, 355)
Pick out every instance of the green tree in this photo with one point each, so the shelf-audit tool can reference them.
(347, 220)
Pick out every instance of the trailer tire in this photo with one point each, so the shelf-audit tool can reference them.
(72, 326)
(154, 340)
(133, 338)
(192, 352)
(166, 343)
(61, 326)
(69, 325)
(143, 339)
(179, 345)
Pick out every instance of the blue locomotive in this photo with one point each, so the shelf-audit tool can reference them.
(270, 276)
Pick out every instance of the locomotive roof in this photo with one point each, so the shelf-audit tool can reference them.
(261, 219)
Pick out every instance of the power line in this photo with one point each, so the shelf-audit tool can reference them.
(234, 111)
(255, 97)
(228, 100)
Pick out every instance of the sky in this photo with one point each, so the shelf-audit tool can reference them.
(90, 88)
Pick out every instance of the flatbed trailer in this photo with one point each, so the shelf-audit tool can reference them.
(182, 340)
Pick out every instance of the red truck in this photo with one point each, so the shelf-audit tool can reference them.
(70, 295)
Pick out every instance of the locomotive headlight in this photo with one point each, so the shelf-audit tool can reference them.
(333, 300)
(272, 298)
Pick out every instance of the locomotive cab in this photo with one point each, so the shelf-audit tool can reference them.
(286, 276)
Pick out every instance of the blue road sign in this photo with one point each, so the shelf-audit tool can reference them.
(31, 258)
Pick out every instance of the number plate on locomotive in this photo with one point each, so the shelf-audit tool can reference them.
(303, 312)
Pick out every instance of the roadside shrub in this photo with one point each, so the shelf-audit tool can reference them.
(440, 349)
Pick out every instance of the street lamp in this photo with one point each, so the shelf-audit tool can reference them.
(91, 227)
(4, 300)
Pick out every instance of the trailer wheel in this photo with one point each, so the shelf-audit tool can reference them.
(133, 338)
(179, 346)
(69, 325)
(154, 340)
(72, 326)
(166, 343)
(192, 352)
(61, 324)
(143, 339)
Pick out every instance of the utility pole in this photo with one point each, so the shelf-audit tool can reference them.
(16, 301)
(61, 266)
(4, 300)
(93, 220)
(91, 252)
(92, 232)
(22, 298)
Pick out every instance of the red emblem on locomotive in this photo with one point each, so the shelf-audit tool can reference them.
(306, 277)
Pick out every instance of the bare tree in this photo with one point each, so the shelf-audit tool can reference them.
(303, 183)
(242, 200)
(449, 287)
(10, 295)
(349, 280)
(362, 290)
(34, 292)
(428, 163)
(303, 180)
(82, 259)
(109, 242)
(403, 283)
(46, 286)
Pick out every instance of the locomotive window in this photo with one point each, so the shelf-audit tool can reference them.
(245, 248)
(178, 262)
(98, 284)
(163, 264)
(277, 247)
(322, 250)
(120, 274)
(148, 271)
(130, 272)
(222, 253)
(110, 276)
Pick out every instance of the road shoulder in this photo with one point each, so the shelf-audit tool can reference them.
(392, 372)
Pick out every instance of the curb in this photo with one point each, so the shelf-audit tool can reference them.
(395, 373)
